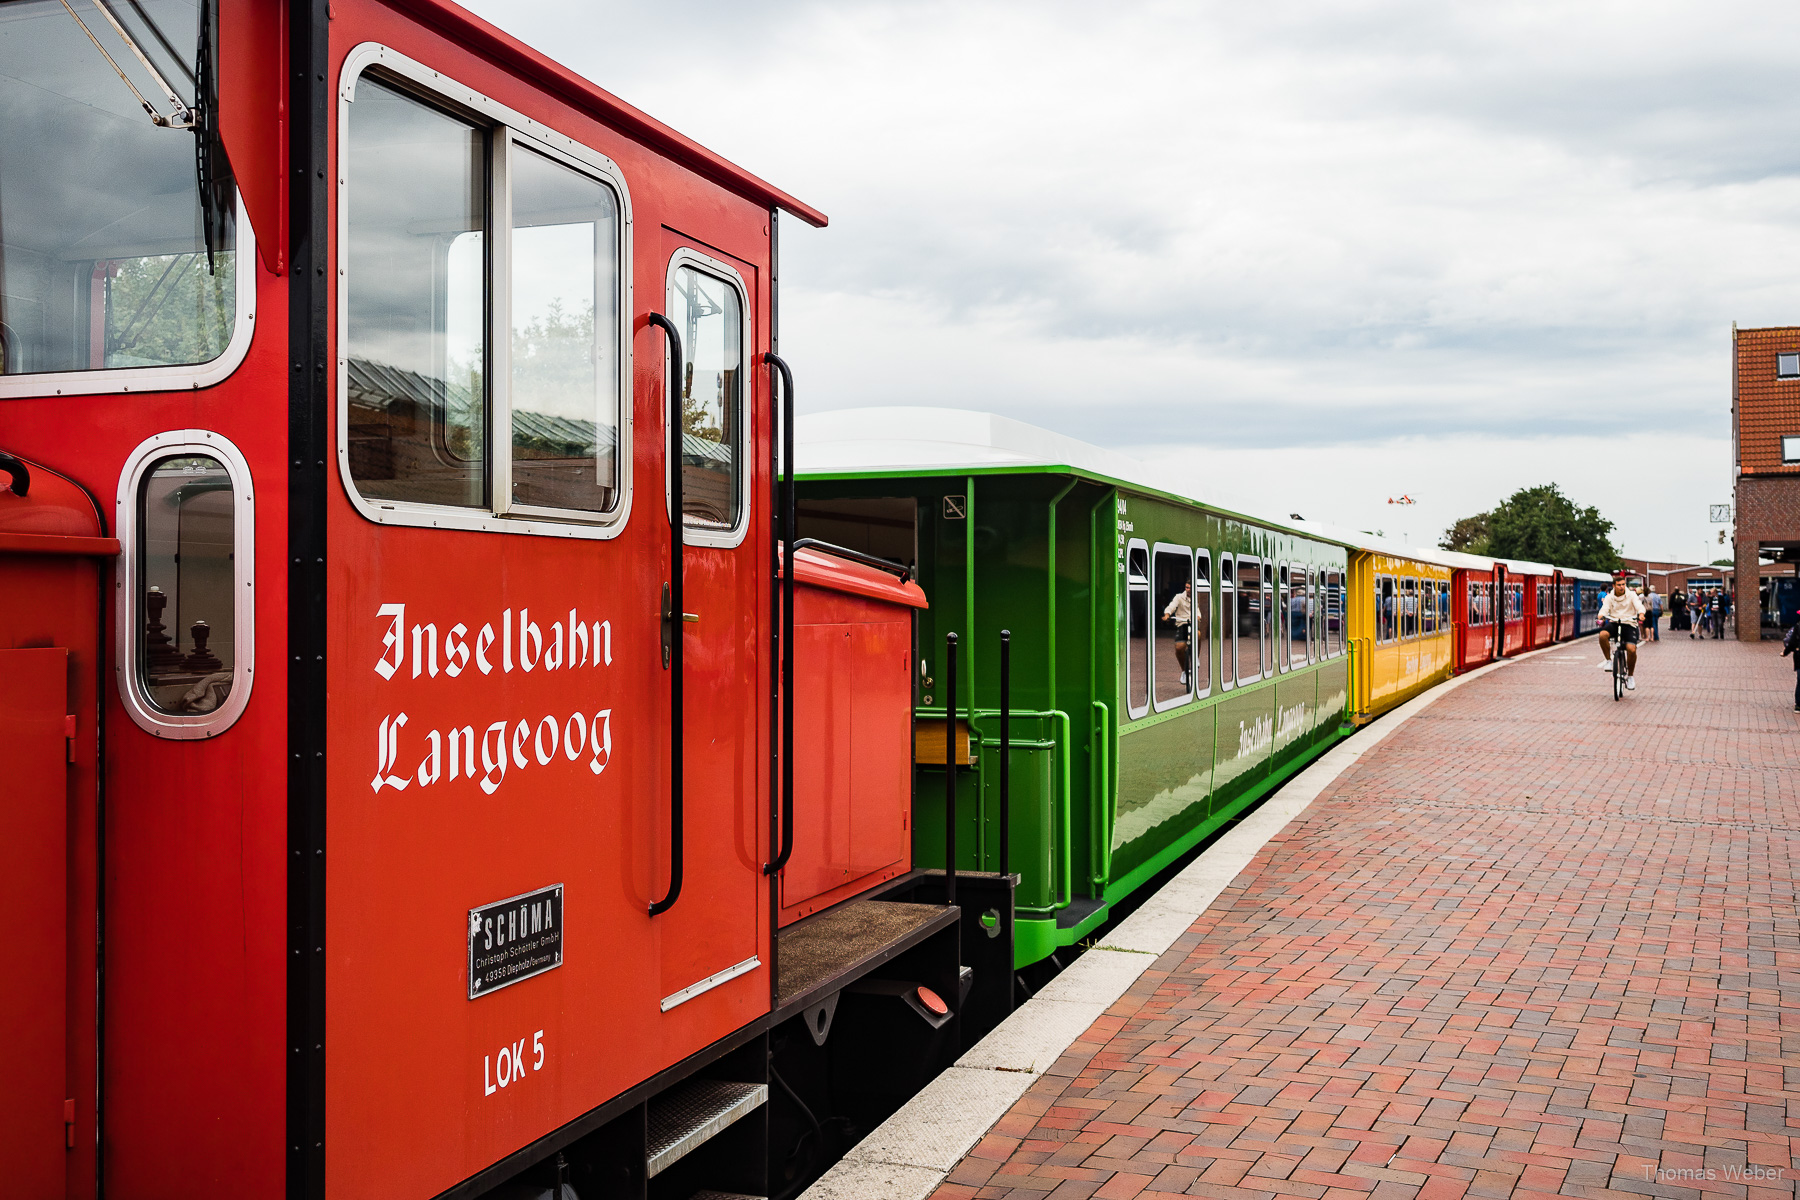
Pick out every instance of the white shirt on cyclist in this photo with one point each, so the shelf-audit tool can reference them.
(1624, 607)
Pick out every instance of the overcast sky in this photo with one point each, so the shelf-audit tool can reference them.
(1318, 255)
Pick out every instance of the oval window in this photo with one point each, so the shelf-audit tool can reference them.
(185, 635)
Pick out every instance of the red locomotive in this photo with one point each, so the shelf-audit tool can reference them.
(396, 799)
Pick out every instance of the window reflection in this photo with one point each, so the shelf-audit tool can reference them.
(1137, 630)
(417, 314)
(1249, 620)
(709, 314)
(186, 639)
(565, 372)
(103, 253)
(1174, 603)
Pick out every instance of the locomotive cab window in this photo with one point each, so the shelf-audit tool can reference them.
(119, 237)
(1173, 598)
(1137, 629)
(185, 584)
(706, 304)
(483, 358)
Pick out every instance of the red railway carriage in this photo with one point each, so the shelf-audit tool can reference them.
(422, 765)
(1473, 589)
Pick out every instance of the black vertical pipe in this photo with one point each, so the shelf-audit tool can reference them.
(949, 768)
(1005, 751)
(677, 615)
(789, 533)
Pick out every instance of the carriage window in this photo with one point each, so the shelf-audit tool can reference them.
(1249, 620)
(1409, 607)
(709, 313)
(1227, 623)
(1297, 617)
(1334, 612)
(1173, 597)
(564, 402)
(1386, 620)
(1277, 615)
(1443, 593)
(186, 635)
(417, 325)
(1137, 630)
(1200, 655)
(112, 253)
(1427, 606)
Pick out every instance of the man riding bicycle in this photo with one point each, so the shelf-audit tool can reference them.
(1621, 612)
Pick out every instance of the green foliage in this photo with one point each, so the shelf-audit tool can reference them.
(169, 309)
(1540, 524)
(1470, 535)
(1723, 562)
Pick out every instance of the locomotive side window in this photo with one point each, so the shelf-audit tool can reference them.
(1137, 629)
(485, 285)
(1173, 598)
(185, 585)
(709, 311)
(118, 237)
(1249, 620)
(564, 354)
(1200, 654)
(417, 343)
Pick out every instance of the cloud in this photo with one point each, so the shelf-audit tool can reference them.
(1374, 226)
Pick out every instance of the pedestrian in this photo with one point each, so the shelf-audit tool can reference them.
(1656, 612)
(1789, 645)
(1698, 607)
(1720, 611)
(1677, 612)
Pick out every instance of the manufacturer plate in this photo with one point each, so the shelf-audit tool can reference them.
(514, 939)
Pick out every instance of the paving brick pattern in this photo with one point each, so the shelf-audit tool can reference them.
(1537, 943)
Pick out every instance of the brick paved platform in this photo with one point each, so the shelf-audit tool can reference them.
(1537, 943)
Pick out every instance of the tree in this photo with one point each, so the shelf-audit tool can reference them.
(1470, 535)
(1724, 562)
(1540, 524)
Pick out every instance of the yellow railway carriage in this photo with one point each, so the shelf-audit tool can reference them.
(1401, 637)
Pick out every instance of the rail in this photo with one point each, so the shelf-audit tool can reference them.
(674, 617)
(1103, 793)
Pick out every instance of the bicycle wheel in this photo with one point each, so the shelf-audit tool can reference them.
(1618, 674)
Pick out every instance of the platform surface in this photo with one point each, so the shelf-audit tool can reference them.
(1537, 942)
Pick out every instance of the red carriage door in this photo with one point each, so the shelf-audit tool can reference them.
(34, 689)
(710, 937)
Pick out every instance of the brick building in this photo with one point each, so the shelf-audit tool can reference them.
(1765, 427)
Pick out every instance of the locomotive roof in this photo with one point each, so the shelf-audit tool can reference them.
(553, 77)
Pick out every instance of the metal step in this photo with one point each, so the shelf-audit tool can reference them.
(683, 1118)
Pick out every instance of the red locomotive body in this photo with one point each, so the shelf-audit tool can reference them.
(432, 832)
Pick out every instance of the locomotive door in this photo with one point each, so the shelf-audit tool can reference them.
(33, 882)
(710, 935)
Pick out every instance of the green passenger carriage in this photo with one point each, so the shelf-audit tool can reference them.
(1121, 759)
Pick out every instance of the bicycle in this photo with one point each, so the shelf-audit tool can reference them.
(1619, 671)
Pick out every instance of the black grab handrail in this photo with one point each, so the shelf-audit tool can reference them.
(855, 556)
(788, 521)
(673, 615)
(21, 474)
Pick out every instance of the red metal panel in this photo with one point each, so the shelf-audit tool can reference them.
(824, 746)
(253, 117)
(881, 715)
(34, 886)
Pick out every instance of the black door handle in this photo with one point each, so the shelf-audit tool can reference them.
(788, 521)
(672, 659)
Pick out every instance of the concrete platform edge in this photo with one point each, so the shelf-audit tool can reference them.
(913, 1151)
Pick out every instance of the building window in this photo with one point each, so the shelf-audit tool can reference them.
(1790, 450)
(1787, 366)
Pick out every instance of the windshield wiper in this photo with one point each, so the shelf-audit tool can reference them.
(183, 117)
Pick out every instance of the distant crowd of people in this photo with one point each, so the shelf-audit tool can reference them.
(1698, 613)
